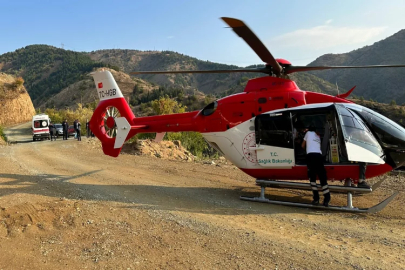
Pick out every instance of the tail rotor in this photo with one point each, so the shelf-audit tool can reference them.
(112, 119)
(109, 123)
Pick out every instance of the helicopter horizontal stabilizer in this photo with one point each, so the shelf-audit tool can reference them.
(345, 95)
(123, 128)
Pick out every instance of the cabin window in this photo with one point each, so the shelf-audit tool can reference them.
(274, 129)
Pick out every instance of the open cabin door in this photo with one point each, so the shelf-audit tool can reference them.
(361, 145)
(274, 140)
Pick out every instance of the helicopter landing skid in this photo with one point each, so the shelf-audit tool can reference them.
(303, 186)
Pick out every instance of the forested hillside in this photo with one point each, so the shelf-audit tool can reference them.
(380, 84)
(133, 60)
(219, 84)
(392, 111)
(84, 91)
(46, 69)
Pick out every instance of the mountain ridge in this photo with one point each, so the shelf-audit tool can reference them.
(382, 84)
(48, 70)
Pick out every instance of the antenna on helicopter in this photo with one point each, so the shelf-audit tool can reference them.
(337, 88)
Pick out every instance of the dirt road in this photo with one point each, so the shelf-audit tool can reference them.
(64, 205)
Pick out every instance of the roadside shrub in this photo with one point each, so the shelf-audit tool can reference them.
(192, 141)
(2, 135)
(81, 113)
(19, 81)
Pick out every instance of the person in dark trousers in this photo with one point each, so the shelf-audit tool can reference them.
(312, 144)
(78, 130)
(75, 128)
(88, 128)
(362, 176)
(52, 132)
(65, 127)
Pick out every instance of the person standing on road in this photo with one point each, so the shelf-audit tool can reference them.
(312, 144)
(87, 128)
(52, 132)
(75, 128)
(78, 130)
(65, 127)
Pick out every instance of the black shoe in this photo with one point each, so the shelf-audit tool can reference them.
(326, 199)
(315, 202)
(363, 185)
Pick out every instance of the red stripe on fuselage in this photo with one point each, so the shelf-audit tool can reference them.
(333, 172)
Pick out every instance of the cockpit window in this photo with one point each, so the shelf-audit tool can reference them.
(355, 131)
(210, 109)
(388, 132)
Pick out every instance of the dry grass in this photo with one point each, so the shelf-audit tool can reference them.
(11, 87)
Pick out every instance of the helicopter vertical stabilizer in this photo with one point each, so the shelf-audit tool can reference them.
(112, 119)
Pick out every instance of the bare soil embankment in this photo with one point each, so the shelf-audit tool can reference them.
(15, 103)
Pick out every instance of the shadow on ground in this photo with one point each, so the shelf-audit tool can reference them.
(188, 199)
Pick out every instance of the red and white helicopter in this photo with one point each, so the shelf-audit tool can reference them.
(257, 129)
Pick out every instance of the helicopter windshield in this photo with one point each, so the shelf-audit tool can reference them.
(388, 132)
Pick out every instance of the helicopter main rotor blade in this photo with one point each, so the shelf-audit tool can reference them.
(256, 70)
(292, 69)
(243, 31)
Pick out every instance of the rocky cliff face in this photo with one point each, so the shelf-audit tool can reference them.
(15, 103)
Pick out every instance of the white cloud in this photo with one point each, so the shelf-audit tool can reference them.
(328, 36)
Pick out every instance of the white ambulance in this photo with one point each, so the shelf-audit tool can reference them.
(40, 127)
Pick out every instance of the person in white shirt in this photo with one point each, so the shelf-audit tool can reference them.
(312, 144)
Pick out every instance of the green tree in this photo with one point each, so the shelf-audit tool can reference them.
(192, 141)
(2, 135)
(166, 105)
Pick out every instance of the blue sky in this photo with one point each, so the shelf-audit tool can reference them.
(299, 31)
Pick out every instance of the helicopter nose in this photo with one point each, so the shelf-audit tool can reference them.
(390, 135)
(392, 140)
(393, 143)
